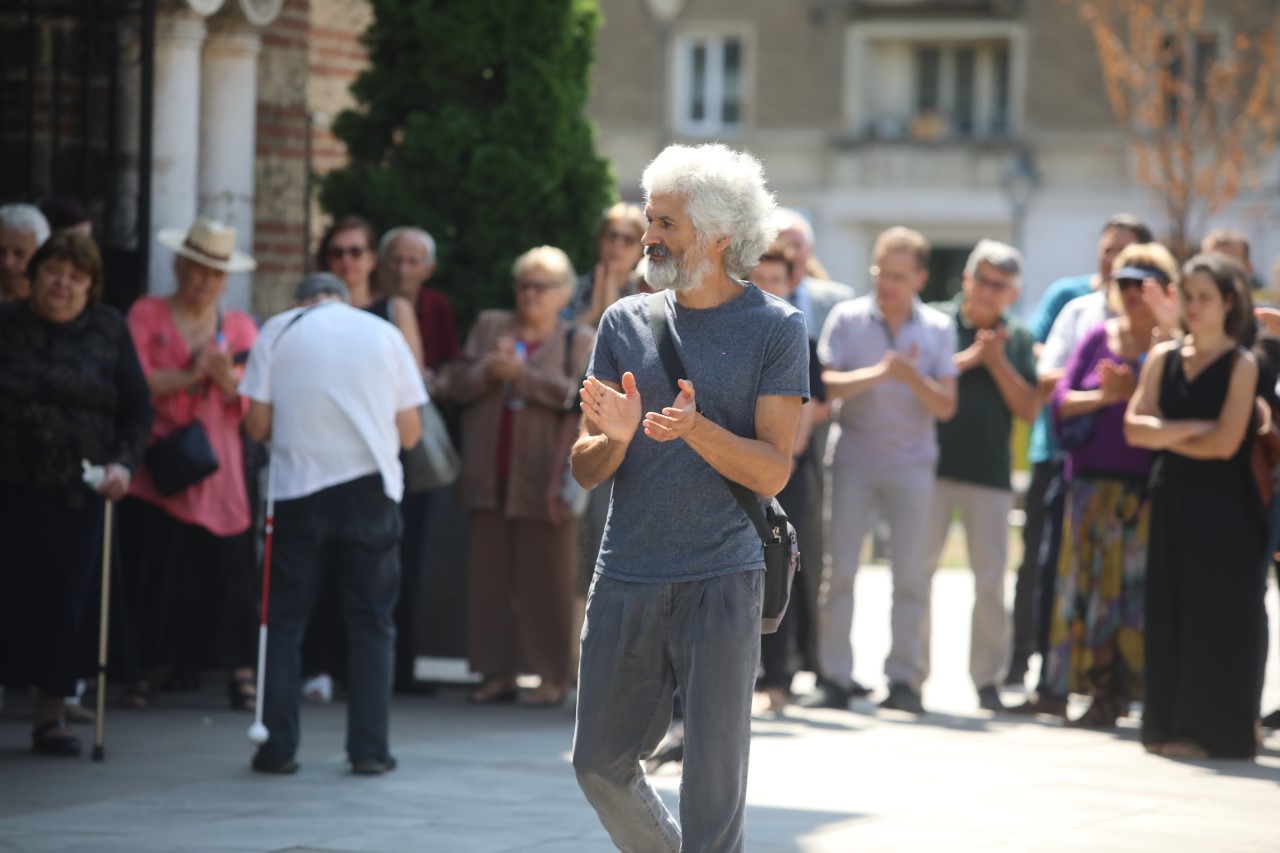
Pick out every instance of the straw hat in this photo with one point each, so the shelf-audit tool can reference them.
(209, 243)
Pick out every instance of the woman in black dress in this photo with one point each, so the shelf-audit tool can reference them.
(1195, 406)
(71, 389)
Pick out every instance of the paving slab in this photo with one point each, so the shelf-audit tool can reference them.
(498, 780)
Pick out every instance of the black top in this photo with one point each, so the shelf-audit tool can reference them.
(69, 391)
(1202, 398)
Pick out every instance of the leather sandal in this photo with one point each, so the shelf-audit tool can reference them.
(494, 692)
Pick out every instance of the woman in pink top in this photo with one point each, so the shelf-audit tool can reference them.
(189, 557)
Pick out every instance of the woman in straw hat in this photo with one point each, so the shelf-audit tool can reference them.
(186, 538)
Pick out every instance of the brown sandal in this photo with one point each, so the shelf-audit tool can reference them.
(494, 691)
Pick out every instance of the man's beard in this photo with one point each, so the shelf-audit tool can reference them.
(677, 273)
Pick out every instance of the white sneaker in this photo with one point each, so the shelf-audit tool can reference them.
(318, 689)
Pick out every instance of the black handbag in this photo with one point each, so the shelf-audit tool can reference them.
(181, 459)
(184, 457)
(781, 549)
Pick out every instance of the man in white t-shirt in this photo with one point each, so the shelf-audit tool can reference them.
(336, 391)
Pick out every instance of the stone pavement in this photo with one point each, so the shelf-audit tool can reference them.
(498, 779)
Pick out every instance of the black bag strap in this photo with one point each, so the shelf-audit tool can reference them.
(660, 326)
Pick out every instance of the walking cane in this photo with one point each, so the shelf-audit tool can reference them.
(102, 629)
(93, 477)
(258, 732)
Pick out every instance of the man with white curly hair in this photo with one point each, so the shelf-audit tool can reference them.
(676, 599)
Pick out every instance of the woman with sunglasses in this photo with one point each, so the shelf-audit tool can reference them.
(1195, 408)
(517, 374)
(1096, 639)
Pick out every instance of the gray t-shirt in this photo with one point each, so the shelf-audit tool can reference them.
(671, 516)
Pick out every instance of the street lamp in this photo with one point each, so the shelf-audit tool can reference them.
(665, 13)
(1020, 182)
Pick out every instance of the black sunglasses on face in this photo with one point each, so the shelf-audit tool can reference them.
(1129, 283)
(336, 252)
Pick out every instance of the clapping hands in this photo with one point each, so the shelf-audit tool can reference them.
(1116, 380)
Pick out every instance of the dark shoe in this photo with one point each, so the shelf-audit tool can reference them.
(1041, 705)
(989, 699)
(1272, 720)
(54, 738)
(858, 690)
(902, 698)
(275, 766)
(827, 695)
(373, 766)
(1102, 714)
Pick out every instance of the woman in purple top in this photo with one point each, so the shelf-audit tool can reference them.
(1095, 641)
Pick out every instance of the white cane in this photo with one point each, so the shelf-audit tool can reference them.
(258, 732)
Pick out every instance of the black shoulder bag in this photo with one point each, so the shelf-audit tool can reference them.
(184, 457)
(781, 553)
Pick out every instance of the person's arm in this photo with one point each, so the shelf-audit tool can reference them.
(257, 423)
(133, 417)
(1019, 395)
(1144, 426)
(611, 416)
(409, 426)
(1221, 439)
(407, 323)
(565, 438)
(467, 378)
(762, 464)
(849, 384)
(256, 384)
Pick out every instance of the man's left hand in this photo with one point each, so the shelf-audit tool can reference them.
(675, 421)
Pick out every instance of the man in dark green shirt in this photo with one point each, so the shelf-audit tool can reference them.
(995, 357)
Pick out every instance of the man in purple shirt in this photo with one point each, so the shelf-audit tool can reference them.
(889, 362)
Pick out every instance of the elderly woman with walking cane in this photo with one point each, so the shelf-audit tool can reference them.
(71, 389)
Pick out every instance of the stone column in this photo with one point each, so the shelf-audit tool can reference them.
(228, 127)
(175, 134)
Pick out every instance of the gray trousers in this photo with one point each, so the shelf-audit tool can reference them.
(640, 641)
(984, 512)
(904, 497)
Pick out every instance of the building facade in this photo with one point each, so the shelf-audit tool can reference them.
(960, 118)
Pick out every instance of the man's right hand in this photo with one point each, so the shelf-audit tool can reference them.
(616, 415)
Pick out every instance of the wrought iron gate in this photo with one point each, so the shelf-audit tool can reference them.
(75, 119)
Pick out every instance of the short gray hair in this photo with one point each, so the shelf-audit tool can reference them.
(319, 284)
(25, 217)
(724, 194)
(785, 217)
(1002, 256)
(428, 242)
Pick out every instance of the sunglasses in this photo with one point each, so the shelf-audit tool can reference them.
(990, 284)
(621, 237)
(1129, 283)
(527, 285)
(335, 253)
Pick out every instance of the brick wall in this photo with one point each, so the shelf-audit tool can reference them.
(311, 54)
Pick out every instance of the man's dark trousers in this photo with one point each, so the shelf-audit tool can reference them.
(353, 529)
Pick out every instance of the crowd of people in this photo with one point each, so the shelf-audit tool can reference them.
(1149, 387)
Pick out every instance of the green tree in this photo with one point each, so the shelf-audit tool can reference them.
(470, 124)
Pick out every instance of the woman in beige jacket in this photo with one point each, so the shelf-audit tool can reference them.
(518, 375)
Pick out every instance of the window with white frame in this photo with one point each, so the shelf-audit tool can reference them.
(711, 83)
(960, 90)
(934, 82)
